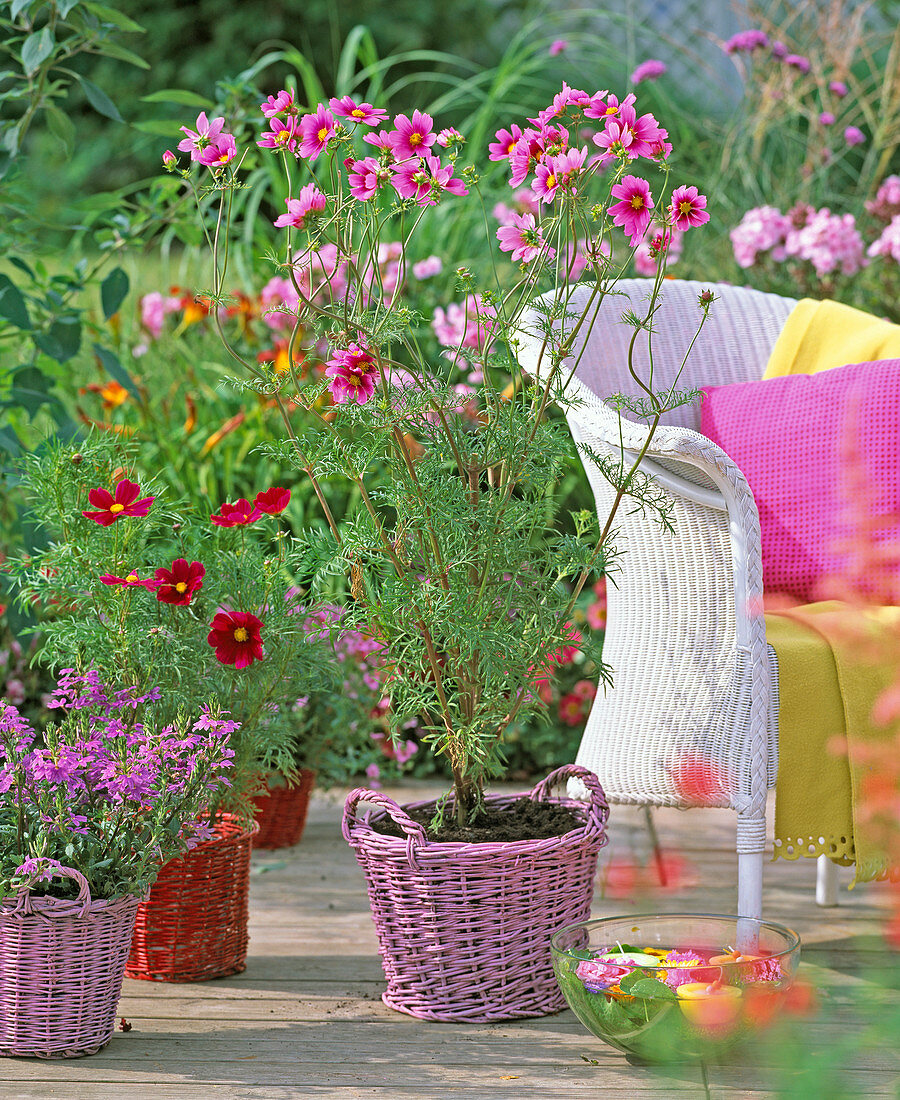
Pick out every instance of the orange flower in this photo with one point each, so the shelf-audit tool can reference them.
(217, 436)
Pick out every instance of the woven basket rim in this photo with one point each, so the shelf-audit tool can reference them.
(47, 901)
(366, 833)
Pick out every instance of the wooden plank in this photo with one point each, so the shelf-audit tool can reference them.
(305, 1017)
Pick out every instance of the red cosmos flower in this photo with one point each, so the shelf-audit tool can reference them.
(124, 503)
(132, 580)
(178, 584)
(272, 501)
(236, 637)
(236, 515)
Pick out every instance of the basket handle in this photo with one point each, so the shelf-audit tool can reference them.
(414, 831)
(23, 901)
(599, 811)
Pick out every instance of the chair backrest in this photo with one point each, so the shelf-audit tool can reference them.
(734, 345)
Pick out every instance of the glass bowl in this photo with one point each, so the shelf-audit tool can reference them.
(727, 978)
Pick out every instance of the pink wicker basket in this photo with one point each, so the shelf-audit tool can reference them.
(61, 967)
(464, 929)
(193, 925)
(281, 812)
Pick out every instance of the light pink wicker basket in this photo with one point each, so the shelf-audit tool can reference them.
(61, 967)
(464, 929)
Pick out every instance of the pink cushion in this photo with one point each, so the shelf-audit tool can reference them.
(796, 440)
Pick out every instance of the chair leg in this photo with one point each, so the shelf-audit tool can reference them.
(826, 882)
(750, 874)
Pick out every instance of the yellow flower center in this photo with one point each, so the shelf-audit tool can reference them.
(551, 181)
(181, 587)
(684, 207)
(323, 134)
(116, 508)
(240, 635)
(637, 202)
(357, 113)
(131, 578)
(611, 110)
(511, 146)
(283, 137)
(415, 139)
(354, 380)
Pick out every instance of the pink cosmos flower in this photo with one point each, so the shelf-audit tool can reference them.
(567, 97)
(558, 46)
(633, 210)
(309, 201)
(316, 131)
(826, 118)
(779, 50)
(620, 136)
(545, 182)
(169, 160)
(854, 136)
(346, 107)
(568, 167)
(381, 140)
(688, 208)
(604, 105)
(353, 373)
(282, 135)
(195, 141)
(412, 137)
(219, 152)
(424, 180)
(522, 237)
(504, 143)
(449, 137)
(366, 177)
(280, 104)
(651, 69)
(838, 88)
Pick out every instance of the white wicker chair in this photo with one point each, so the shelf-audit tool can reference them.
(686, 640)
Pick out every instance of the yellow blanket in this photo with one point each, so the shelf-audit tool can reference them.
(823, 335)
(833, 662)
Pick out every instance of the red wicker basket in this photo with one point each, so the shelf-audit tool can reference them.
(281, 812)
(193, 925)
(464, 929)
(61, 964)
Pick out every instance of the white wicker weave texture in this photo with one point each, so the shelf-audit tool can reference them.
(693, 679)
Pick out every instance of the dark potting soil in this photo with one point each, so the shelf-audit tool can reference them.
(520, 820)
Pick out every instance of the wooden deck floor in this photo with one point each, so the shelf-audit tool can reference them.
(305, 1018)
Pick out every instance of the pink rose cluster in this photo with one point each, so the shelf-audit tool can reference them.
(831, 243)
(543, 156)
(402, 158)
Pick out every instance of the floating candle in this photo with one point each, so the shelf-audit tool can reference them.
(633, 958)
(713, 1008)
